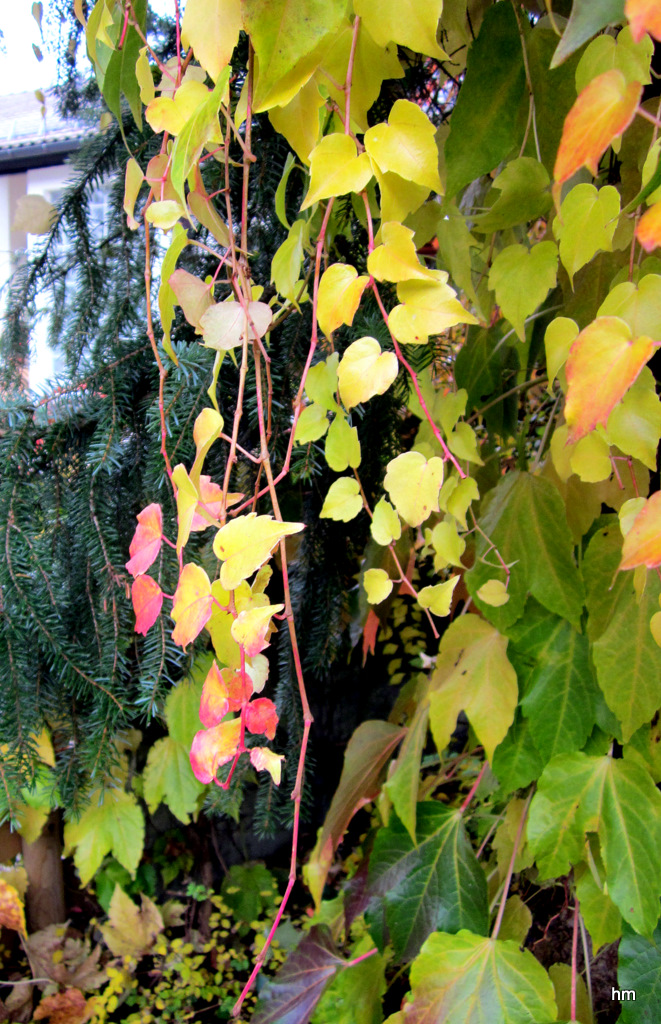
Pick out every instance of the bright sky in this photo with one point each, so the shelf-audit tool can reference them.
(19, 68)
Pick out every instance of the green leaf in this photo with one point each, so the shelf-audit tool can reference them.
(403, 784)
(561, 692)
(521, 279)
(168, 778)
(436, 884)
(522, 190)
(639, 970)
(286, 263)
(288, 37)
(467, 979)
(296, 989)
(638, 305)
(473, 674)
(312, 424)
(343, 501)
(115, 826)
(485, 123)
(354, 995)
(487, 368)
(524, 517)
(578, 794)
(605, 53)
(634, 425)
(516, 922)
(166, 297)
(120, 78)
(182, 707)
(342, 445)
(619, 627)
(248, 889)
(586, 224)
(454, 247)
(602, 918)
(516, 761)
(586, 19)
(189, 143)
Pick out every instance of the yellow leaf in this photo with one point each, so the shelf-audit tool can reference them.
(299, 120)
(342, 448)
(207, 428)
(226, 324)
(164, 215)
(603, 363)
(396, 259)
(169, 114)
(130, 930)
(133, 180)
(413, 484)
(602, 112)
(378, 585)
(321, 383)
(365, 371)
(642, 544)
(439, 597)
(251, 627)
(428, 307)
(560, 335)
(144, 77)
(33, 214)
(457, 497)
(340, 292)
(447, 544)
(386, 526)
(590, 459)
(264, 759)
(407, 22)
(628, 512)
(187, 499)
(286, 263)
(398, 197)
(343, 501)
(192, 604)
(212, 28)
(12, 914)
(312, 424)
(335, 169)
(494, 593)
(406, 145)
(246, 543)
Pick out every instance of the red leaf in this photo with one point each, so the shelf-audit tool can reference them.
(261, 717)
(192, 604)
(239, 688)
(212, 748)
(147, 540)
(644, 16)
(214, 703)
(370, 630)
(301, 980)
(147, 599)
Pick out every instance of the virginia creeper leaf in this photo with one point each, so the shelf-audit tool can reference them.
(433, 884)
(246, 543)
(343, 501)
(147, 540)
(413, 483)
(192, 604)
(522, 278)
(365, 371)
(212, 29)
(335, 169)
(403, 21)
(147, 598)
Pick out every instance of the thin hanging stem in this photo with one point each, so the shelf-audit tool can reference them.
(510, 869)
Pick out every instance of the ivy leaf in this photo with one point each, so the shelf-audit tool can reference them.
(523, 195)
(214, 747)
(433, 884)
(644, 16)
(378, 585)
(340, 292)
(147, 540)
(406, 145)
(212, 29)
(335, 169)
(560, 692)
(413, 483)
(473, 674)
(642, 544)
(343, 501)
(366, 755)
(192, 604)
(639, 970)
(365, 371)
(456, 977)
(246, 543)
(396, 258)
(405, 22)
(428, 307)
(603, 363)
(524, 517)
(226, 324)
(619, 628)
(602, 112)
(252, 626)
(115, 826)
(485, 122)
(168, 778)
(586, 224)
(577, 794)
(147, 599)
(342, 448)
(297, 988)
(586, 19)
(522, 278)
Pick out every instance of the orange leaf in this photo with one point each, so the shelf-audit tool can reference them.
(602, 112)
(261, 716)
(239, 688)
(644, 16)
(147, 599)
(264, 759)
(211, 500)
(11, 908)
(214, 702)
(642, 544)
(603, 363)
(147, 540)
(648, 231)
(213, 747)
(68, 1007)
(192, 606)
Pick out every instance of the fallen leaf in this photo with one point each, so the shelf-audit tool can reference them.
(131, 930)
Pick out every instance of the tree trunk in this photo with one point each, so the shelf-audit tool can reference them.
(43, 862)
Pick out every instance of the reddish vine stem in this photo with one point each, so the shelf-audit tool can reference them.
(162, 372)
(473, 790)
(349, 78)
(510, 869)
